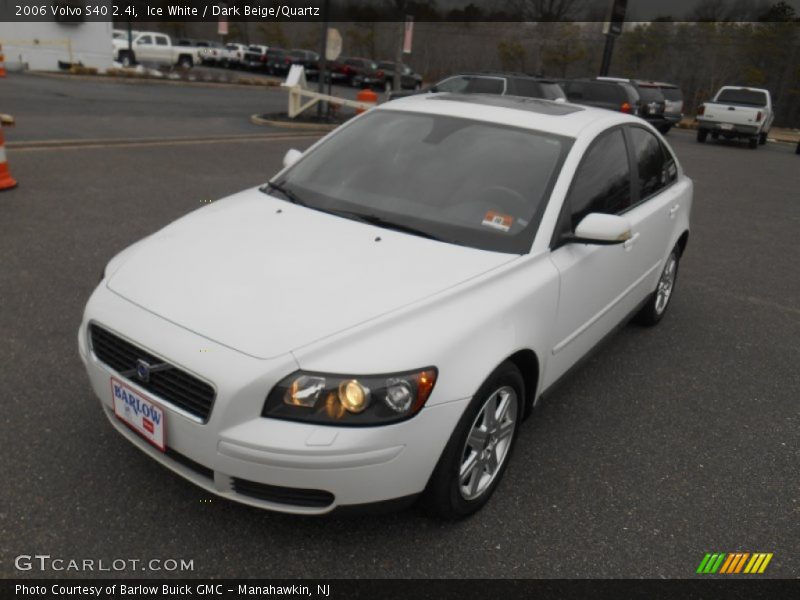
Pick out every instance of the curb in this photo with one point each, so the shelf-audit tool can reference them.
(320, 127)
(156, 80)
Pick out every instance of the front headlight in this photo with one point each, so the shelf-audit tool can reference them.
(350, 400)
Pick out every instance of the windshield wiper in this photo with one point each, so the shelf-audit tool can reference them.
(290, 195)
(387, 224)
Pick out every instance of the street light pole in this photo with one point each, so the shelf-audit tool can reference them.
(323, 61)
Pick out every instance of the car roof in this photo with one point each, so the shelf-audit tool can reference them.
(559, 118)
(506, 74)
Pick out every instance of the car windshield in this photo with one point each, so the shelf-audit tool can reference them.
(744, 97)
(461, 181)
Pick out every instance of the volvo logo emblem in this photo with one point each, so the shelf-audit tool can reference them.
(143, 370)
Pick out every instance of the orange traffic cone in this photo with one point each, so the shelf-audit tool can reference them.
(367, 96)
(6, 181)
(2, 62)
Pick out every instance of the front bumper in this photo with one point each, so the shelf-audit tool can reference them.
(237, 454)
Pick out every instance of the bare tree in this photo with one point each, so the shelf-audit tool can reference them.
(546, 10)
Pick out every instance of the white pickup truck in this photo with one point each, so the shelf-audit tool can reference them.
(736, 112)
(154, 47)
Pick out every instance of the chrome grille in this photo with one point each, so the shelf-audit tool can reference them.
(171, 383)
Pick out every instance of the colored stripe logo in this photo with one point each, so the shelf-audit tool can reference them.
(732, 563)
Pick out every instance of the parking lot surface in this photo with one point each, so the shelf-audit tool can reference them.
(669, 443)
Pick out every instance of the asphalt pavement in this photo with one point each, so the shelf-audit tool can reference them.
(669, 443)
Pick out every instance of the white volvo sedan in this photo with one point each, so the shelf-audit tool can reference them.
(374, 323)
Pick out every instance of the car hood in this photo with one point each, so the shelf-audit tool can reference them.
(263, 276)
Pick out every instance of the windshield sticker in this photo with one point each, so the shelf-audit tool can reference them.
(498, 221)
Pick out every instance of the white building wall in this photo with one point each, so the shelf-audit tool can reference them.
(39, 46)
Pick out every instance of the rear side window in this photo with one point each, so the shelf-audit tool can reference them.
(603, 92)
(602, 182)
(162, 41)
(651, 162)
(454, 85)
(528, 88)
(485, 85)
(672, 94)
(145, 39)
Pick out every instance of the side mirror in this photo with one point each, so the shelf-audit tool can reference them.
(599, 228)
(291, 157)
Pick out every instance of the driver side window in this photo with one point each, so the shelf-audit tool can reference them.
(602, 182)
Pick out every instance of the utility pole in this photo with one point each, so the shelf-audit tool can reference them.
(612, 29)
(323, 62)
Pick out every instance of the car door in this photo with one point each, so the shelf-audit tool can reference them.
(162, 49)
(597, 283)
(145, 48)
(658, 197)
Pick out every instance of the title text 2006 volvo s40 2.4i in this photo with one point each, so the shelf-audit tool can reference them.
(374, 323)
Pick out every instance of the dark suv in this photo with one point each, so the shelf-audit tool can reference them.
(653, 102)
(612, 95)
(502, 84)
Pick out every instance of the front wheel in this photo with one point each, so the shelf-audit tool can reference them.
(655, 308)
(476, 456)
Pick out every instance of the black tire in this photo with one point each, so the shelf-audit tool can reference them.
(127, 58)
(653, 311)
(388, 86)
(664, 129)
(797, 150)
(762, 138)
(752, 143)
(715, 136)
(185, 62)
(702, 134)
(443, 495)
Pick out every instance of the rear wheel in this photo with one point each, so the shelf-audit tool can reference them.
(752, 143)
(185, 62)
(476, 456)
(127, 59)
(387, 86)
(762, 138)
(797, 150)
(715, 136)
(652, 312)
(702, 134)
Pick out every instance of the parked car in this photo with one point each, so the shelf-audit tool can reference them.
(357, 70)
(308, 59)
(119, 40)
(737, 112)
(494, 83)
(214, 54)
(497, 241)
(409, 79)
(673, 104)
(255, 58)
(154, 47)
(278, 61)
(651, 101)
(235, 54)
(618, 96)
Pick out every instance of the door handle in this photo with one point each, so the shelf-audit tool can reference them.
(673, 210)
(628, 244)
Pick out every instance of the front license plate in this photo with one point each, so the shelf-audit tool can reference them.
(140, 413)
(726, 126)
